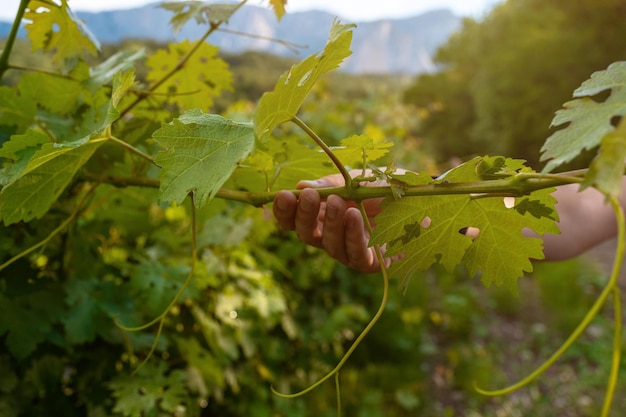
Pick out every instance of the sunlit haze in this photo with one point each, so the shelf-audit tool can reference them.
(353, 10)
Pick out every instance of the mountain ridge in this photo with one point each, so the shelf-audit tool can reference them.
(386, 46)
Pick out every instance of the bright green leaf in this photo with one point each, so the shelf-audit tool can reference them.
(606, 171)
(282, 104)
(280, 165)
(588, 121)
(361, 150)
(430, 229)
(201, 152)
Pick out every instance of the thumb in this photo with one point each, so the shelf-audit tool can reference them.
(334, 180)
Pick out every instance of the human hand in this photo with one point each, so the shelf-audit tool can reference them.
(334, 225)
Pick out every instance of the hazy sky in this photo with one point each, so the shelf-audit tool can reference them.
(353, 10)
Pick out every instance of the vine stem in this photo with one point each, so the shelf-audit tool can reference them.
(338, 393)
(55, 232)
(514, 186)
(617, 306)
(344, 172)
(130, 148)
(8, 46)
(181, 63)
(364, 333)
(610, 287)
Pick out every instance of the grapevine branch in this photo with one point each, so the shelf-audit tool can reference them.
(514, 186)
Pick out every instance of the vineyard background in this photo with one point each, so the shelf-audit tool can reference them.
(264, 309)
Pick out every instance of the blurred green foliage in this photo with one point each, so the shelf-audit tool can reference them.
(264, 309)
(504, 76)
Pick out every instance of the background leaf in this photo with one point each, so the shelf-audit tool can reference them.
(55, 28)
(279, 7)
(201, 12)
(203, 77)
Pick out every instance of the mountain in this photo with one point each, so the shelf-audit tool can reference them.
(401, 46)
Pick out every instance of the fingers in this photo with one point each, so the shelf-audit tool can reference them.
(284, 209)
(333, 236)
(358, 253)
(331, 225)
(308, 218)
(304, 215)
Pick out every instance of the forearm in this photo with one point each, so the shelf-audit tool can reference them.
(585, 220)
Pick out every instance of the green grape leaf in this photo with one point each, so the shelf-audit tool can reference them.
(91, 306)
(359, 150)
(16, 146)
(201, 12)
(430, 229)
(122, 82)
(279, 7)
(55, 28)
(282, 104)
(19, 149)
(16, 109)
(151, 390)
(203, 77)
(105, 72)
(280, 164)
(47, 174)
(201, 152)
(201, 359)
(27, 316)
(59, 95)
(41, 173)
(155, 285)
(587, 120)
(606, 171)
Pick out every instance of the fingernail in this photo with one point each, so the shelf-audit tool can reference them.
(281, 204)
(349, 223)
(331, 212)
(305, 204)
